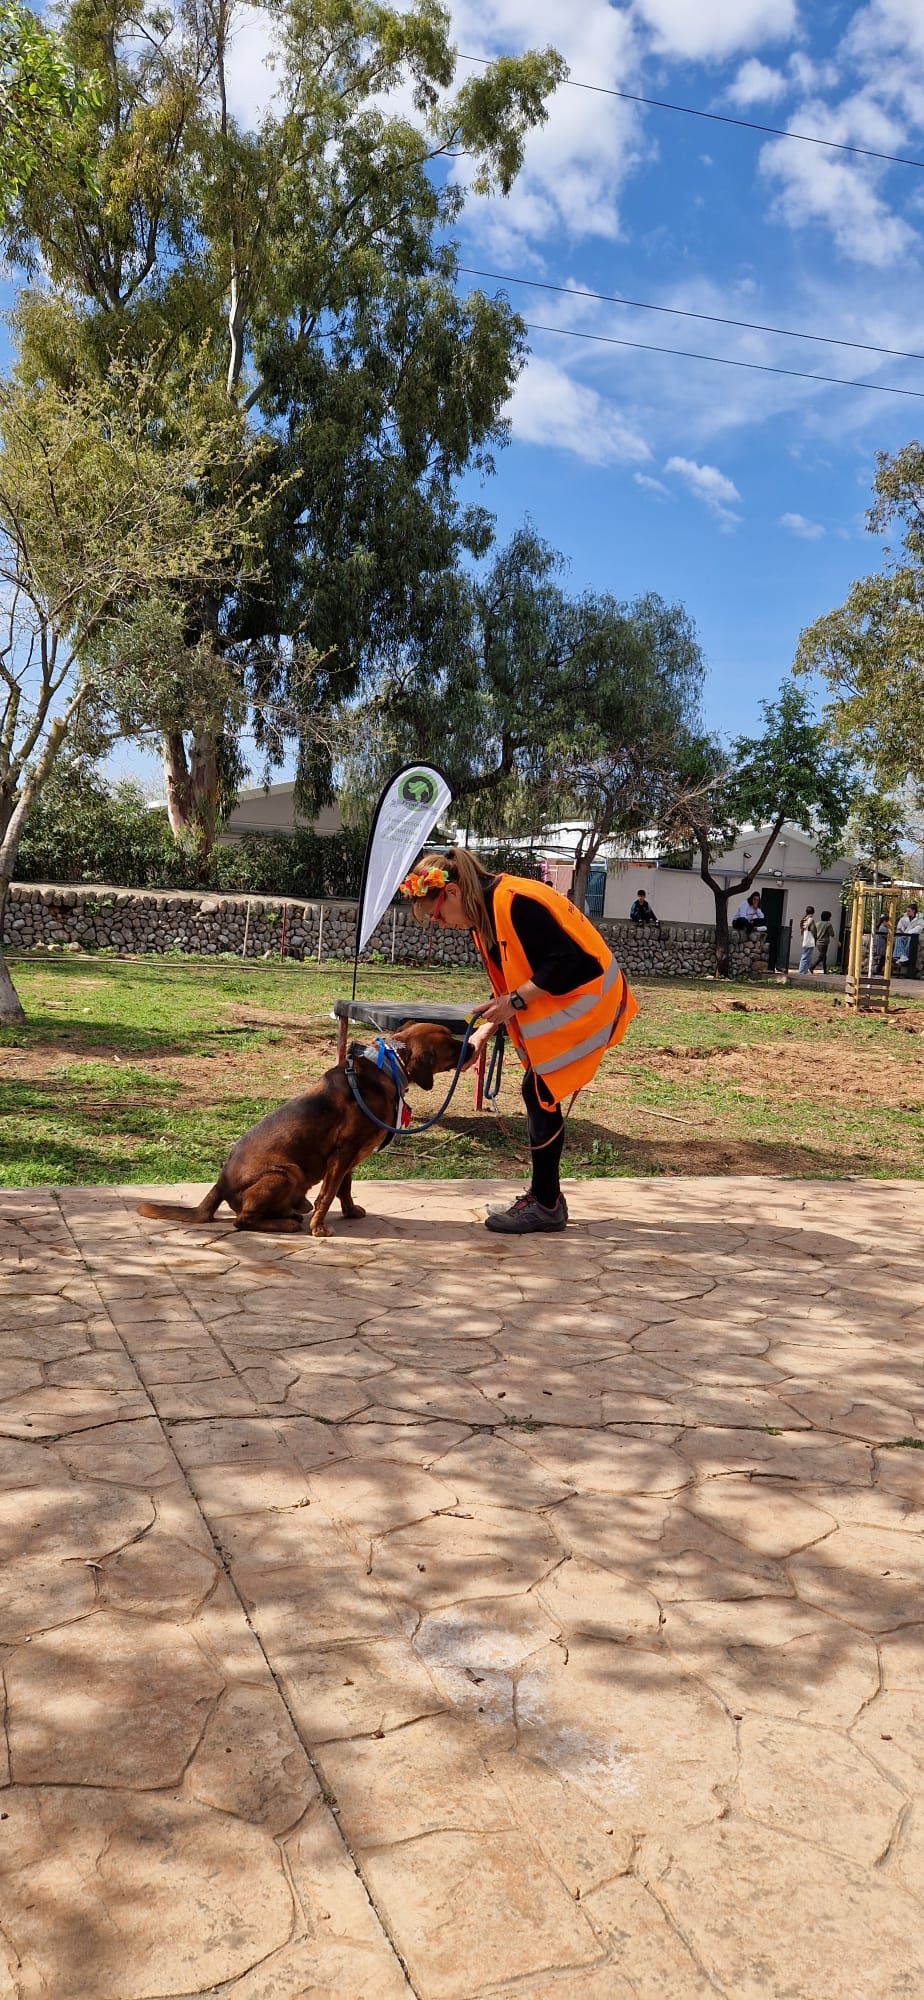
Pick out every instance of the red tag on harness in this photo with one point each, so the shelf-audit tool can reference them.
(406, 1115)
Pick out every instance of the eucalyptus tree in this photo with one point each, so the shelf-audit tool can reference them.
(40, 94)
(304, 269)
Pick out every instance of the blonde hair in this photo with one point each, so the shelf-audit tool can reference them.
(472, 878)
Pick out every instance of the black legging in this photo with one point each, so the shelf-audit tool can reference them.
(545, 1122)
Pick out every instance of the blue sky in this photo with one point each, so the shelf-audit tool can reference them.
(743, 495)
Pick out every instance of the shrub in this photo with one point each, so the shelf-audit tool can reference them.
(81, 831)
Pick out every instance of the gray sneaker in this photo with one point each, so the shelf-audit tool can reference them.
(528, 1216)
(523, 1201)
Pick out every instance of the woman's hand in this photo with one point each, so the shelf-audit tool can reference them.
(500, 1011)
(481, 1034)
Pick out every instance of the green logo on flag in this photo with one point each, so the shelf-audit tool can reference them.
(417, 789)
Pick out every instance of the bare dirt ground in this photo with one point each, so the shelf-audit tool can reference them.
(762, 1080)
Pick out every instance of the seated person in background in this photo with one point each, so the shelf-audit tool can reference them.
(749, 916)
(823, 942)
(641, 911)
(909, 925)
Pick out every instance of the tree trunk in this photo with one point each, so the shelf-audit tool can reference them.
(722, 895)
(580, 880)
(722, 935)
(12, 819)
(193, 784)
(176, 772)
(11, 1013)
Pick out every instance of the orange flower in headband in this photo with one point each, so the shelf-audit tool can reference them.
(423, 882)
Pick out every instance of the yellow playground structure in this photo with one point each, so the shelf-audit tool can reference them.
(874, 915)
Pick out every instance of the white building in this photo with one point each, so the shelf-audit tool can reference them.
(271, 809)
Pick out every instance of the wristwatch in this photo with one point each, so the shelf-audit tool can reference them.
(517, 1002)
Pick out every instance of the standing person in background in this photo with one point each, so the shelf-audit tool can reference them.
(809, 930)
(641, 911)
(557, 989)
(910, 925)
(824, 938)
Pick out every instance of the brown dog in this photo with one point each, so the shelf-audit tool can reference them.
(321, 1136)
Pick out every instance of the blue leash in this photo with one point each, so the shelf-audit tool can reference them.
(387, 1060)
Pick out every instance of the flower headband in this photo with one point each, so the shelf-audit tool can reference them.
(423, 882)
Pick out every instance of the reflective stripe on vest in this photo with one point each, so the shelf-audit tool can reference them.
(543, 1031)
(574, 1010)
(600, 1041)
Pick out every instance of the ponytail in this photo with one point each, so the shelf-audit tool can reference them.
(473, 879)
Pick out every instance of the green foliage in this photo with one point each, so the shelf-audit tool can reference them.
(870, 650)
(790, 772)
(302, 863)
(81, 830)
(99, 511)
(876, 831)
(42, 99)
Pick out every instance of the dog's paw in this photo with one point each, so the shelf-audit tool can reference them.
(354, 1214)
(319, 1229)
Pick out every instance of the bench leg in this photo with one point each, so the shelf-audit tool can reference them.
(479, 1078)
(343, 1028)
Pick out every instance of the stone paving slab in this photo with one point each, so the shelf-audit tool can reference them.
(422, 1612)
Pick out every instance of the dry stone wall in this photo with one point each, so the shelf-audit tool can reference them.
(53, 918)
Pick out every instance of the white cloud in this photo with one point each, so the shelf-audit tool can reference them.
(886, 42)
(756, 83)
(807, 531)
(825, 189)
(548, 407)
(251, 81)
(652, 485)
(709, 30)
(708, 484)
(578, 161)
(887, 25)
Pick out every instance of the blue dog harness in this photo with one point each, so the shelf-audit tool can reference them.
(385, 1058)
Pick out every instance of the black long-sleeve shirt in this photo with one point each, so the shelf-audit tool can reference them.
(557, 963)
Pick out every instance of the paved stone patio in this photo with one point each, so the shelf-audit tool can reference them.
(425, 1612)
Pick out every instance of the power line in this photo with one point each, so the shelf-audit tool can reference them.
(681, 312)
(724, 118)
(723, 360)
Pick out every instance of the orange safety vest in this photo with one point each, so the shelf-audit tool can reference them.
(562, 1036)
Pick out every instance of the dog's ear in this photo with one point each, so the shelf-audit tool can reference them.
(419, 1064)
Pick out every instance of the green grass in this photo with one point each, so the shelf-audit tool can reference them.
(149, 1069)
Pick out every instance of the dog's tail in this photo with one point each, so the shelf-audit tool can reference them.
(174, 1211)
